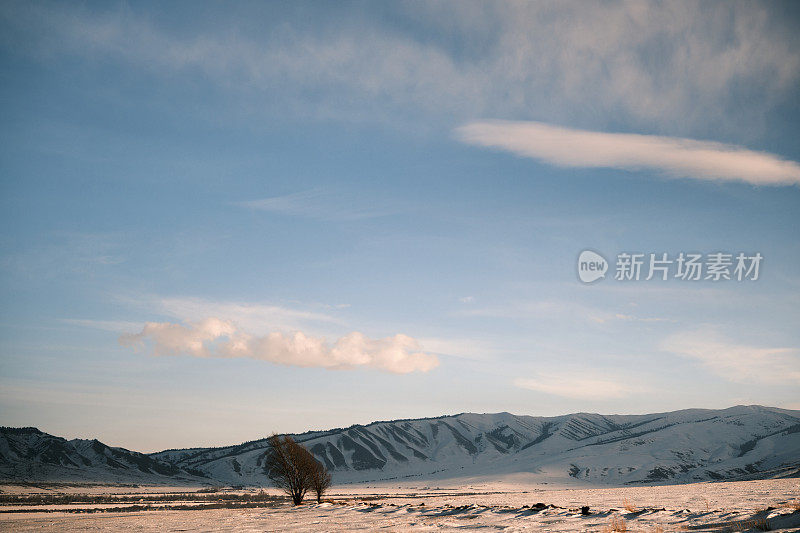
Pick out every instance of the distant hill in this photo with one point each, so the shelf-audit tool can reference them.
(32, 455)
(743, 442)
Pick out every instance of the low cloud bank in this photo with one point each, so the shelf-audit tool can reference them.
(673, 156)
(212, 337)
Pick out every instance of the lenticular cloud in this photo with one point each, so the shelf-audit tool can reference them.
(213, 337)
(672, 156)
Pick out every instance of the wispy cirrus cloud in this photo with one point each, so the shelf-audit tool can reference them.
(671, 156)
(678, 65)
(253, 316)
(213, 337)
(739, 363)
(116, 326)
(554, 309)
(322, 205)
(67, 251)
(463, 347)
(576, 386)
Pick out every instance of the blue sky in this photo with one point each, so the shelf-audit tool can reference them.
(208, 207)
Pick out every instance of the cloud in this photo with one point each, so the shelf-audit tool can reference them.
(321, 205)
(634, 318)
(177, 339)
(678, 65)
(578, 387)
(739, 363)
(554, 309)
(256, 318)
(465, 348)
(116, 326)
(213, 337)
(672, 156)
(67, 252)
(540, 309)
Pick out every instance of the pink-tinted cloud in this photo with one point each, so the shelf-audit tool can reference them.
(212, 337)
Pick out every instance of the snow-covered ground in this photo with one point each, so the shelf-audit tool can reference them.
(495, 505)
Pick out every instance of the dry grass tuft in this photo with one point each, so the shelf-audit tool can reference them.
(616, 524)
(762, 525)
(795, 505)
(628, 506)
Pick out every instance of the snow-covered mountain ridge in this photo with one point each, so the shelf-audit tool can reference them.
(679, 446)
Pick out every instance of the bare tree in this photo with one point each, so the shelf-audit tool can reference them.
(289, 466)
(320, 479)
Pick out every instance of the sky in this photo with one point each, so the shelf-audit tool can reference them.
(226, 219)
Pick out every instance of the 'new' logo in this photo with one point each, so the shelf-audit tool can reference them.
(591, 266)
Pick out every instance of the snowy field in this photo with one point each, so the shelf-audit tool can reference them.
(493, 506)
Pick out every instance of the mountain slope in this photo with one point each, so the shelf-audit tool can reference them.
(680, 446)
(685, 445)
(29, 454)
